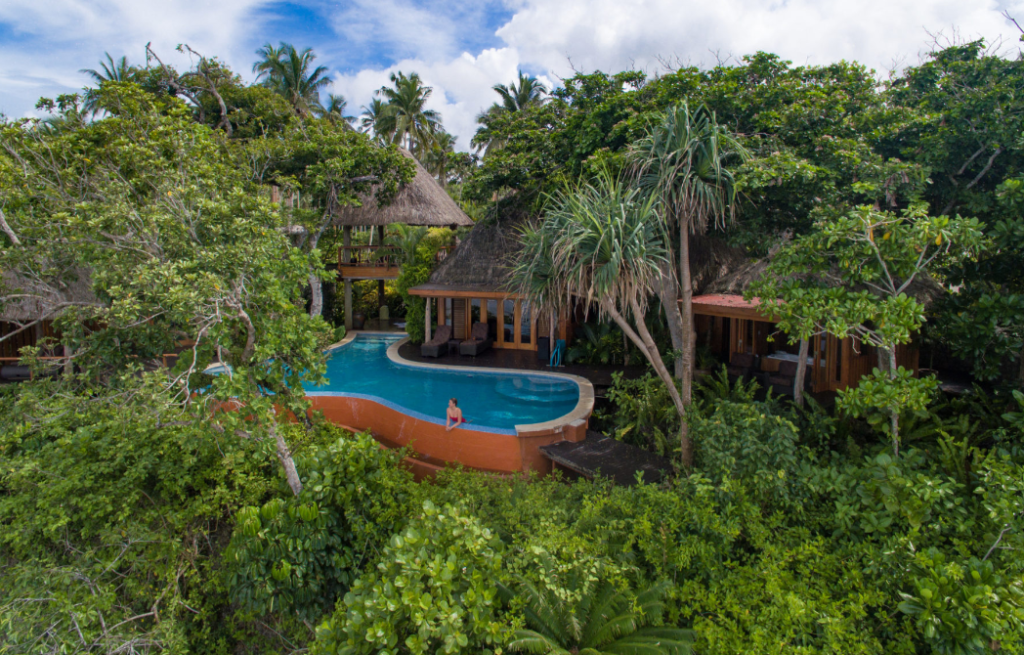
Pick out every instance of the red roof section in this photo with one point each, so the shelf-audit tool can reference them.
(725, 300)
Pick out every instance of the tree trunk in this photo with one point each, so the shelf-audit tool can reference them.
(894, 412)
(668, 294)
(346, 243)
(686, 295)
(285, 456)
(801, 374)
(649, 349)
(316, 292)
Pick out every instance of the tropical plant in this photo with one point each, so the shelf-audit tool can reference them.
(437, 158)
(290, 73)
(405, 118)
(335, 109)
(432, 592)
(597, 343)
(604, 243)
(514, 98)
(682, 161)
(854, 277)
(374, 121)
(111, 70)
(407, 239)
(577, 609)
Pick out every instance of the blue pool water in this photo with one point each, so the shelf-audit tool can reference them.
(494, 402)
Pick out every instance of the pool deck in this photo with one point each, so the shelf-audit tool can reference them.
(520, 360)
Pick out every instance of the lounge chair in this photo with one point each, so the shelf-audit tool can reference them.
(743, 365)
(439, 343)
(479, 342)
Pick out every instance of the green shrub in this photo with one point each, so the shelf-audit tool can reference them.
(433, 591)
(296, 555)
(747, 441)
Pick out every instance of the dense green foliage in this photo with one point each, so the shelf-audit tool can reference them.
(140, 512)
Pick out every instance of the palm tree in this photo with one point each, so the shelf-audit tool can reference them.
(681, 161)
(595, 619)
(335, 109)
(406, 238)
(528, 93)
(603, 243)
(111, 71)
(436, 159)
(291, 74)
(514, 98)
(373, 120)
(414, 126)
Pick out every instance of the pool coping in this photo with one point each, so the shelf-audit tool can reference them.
(584, 406)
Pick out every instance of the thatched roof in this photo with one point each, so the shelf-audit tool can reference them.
(420, 202)
(482, 260)
(31, 300)
(924, 288)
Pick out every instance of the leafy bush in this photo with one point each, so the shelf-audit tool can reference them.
(575, 607)
(433, 591)
(297, 554)
(642, 414)
(964, 608)
(747, 441)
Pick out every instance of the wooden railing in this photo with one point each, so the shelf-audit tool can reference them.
(369, 256)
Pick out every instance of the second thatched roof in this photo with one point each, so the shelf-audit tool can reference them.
(420, 202)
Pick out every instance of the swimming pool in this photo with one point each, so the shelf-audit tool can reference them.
(490, 401)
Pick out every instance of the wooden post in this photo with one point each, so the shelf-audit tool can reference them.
(346, 240)
(801, 374)
(426, 328)
(380, 284)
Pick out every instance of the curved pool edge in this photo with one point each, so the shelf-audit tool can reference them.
(584, 405)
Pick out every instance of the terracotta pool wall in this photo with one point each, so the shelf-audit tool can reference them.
(486, 451)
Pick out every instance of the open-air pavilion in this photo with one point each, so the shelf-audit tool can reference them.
(420, 202)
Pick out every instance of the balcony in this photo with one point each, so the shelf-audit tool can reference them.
(369, 262)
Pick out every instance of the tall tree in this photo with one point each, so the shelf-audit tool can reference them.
(514, 98)
(437, 158)
(409, 123)
(291, 74)
(604, 243)
(335, 109)
(682, 161)
(855, 276)
(111, 70)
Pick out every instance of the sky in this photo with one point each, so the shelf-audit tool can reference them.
(464, 47)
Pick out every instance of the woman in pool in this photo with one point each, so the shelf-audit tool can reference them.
(454, 414)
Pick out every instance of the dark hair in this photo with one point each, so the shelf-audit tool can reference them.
(454, 400)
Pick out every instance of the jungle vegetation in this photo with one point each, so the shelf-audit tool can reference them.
(136, 516)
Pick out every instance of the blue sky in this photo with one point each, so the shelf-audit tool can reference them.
(463, 47)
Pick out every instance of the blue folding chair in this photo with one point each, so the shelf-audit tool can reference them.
(557, 352)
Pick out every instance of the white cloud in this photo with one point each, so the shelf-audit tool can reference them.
(53, 39)
(613, 35)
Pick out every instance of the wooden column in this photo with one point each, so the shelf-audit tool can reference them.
(426, 330)
(380, 283)
(346, 240)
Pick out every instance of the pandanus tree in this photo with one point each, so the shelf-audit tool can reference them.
(404, 117)
(290, 73)
(602, 242)
(682, 162)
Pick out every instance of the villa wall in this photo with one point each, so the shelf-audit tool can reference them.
(485, 451)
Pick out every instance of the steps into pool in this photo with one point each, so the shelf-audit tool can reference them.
(536, 390)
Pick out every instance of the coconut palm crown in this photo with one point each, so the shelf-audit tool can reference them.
(404, 117)
(290, 73)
